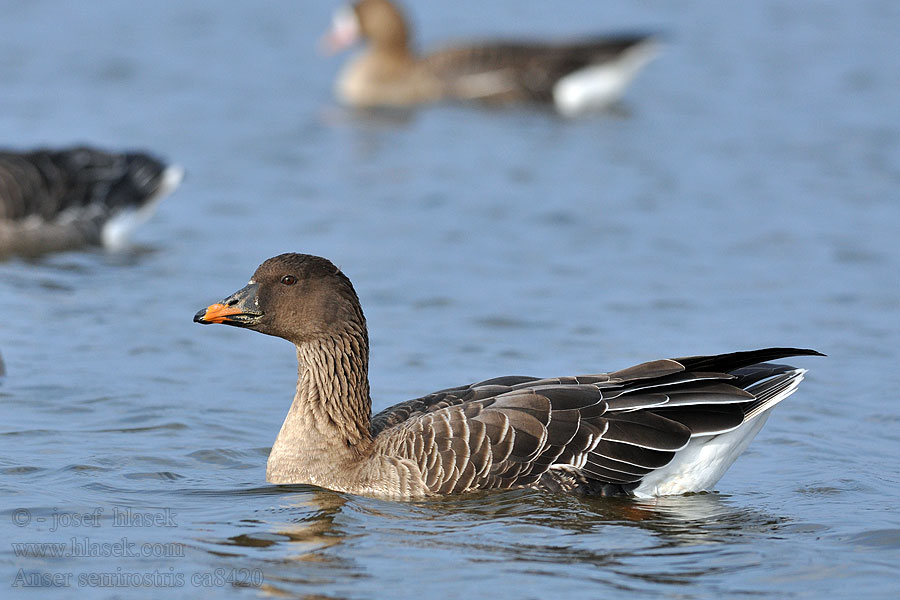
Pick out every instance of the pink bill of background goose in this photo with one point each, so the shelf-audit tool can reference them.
(576, 76)
(664, 427)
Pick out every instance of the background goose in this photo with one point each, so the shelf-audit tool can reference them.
(576, 76)
(54, 200)
(664, 427)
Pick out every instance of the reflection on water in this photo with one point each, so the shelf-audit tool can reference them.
(311, 551)
(320, 533)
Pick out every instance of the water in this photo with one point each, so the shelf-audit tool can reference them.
(745, 195)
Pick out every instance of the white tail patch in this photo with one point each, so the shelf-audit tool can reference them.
(597, 86)
(118, 228)
(701, 464)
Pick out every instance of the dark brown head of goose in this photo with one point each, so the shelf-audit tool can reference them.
(298, 297)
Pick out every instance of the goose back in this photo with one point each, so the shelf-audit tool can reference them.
(513, 71)
(56, 199)
(597, 434)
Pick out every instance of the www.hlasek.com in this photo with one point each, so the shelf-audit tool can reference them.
(123, 579)
(84, 547)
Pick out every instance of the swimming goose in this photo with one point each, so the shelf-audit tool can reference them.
(664, 427)
(576, 76)
(53, 200)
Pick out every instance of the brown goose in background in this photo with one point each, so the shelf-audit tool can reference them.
(665, 427)
(52, 200)
(576, 76)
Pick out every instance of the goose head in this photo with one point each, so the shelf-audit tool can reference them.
(298, 297)
(379, 22)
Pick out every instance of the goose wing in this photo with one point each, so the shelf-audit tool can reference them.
(47, 183)
(602, 432)
(61, 199)
(508, 71)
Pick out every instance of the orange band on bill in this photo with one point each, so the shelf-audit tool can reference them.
(217, 313)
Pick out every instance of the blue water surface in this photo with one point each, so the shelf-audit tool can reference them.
(745, 194)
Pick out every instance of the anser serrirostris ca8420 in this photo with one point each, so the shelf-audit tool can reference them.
(52, 200)
(576, 76)
(664, 427)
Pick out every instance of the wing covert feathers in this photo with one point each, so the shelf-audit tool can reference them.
(598, 433)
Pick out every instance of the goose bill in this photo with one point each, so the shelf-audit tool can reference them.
(240, 309)
(344, 32)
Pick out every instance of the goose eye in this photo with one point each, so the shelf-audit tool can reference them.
(288, 280)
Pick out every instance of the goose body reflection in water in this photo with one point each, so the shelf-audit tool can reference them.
(318, 531)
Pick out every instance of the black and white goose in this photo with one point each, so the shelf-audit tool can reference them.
(668, 426)
(53, 200)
